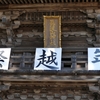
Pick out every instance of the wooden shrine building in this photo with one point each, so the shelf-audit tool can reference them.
(22, 30)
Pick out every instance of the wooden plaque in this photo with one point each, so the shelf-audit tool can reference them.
(52, 31)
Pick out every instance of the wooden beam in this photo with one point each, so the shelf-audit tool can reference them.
(14, 1)
(41, 1)
(56, 6)
(33, 1)
(17, 1)
(54, 1)
(62, 1)
(37, 1)
(62, 84)
(50, 1)
(66, 0)
(5, 2)
(45, 1)
(58, 1)
(48, 78)
(22, 1)
(70, 1)
(10, 1)
(67, 22)
(1, 2)
(30, 1)
(32, 49)
(25, 1)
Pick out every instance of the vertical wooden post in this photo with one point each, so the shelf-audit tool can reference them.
(74, 61)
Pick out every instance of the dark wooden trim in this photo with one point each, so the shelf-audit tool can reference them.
(49, 78)
(52, 6)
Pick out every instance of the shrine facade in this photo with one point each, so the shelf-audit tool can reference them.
(22, 28)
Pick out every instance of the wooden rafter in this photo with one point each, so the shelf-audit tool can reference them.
(66, 0)
(41, 1)
(50, 1)
(82, 0)
(29, 1)
(33, 1)
(1, 2)
(36, 78)
(58, 1)
(54, 1)
(38, 1)
(62, 0)
(14, 1)
(25, 1)
(5, 2)
(74, 0)
(22, 1)
(18, 1)
(10, 1)
(47, 6)
(45, 1)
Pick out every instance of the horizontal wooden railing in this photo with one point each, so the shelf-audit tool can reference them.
(72, 58)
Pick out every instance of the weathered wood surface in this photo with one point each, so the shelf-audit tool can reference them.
(74, 28)
(52, 6)
(48, 92)
(77, 35)
(22, 62)
(49, 78)
(22, 58)
(43, 1)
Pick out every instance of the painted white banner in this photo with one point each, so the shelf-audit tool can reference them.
(93, 58)
(48, 59)
(4, 58)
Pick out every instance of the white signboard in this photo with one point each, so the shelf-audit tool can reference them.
(48, 59)
(93, 58)
(4, 58)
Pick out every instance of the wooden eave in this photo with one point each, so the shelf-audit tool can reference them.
(43, 1)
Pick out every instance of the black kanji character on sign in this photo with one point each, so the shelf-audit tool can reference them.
(96, 56)
(2, 57)
(47, 60)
